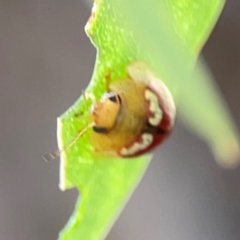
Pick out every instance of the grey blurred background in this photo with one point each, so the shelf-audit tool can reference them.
(46, 60)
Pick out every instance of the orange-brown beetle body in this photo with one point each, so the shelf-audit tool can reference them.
(135, 116)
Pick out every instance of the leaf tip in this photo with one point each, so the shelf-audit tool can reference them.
(227, 153)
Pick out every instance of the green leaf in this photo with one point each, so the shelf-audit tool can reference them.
(167, 35)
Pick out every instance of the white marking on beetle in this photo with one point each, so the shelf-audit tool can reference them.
(154, 108)
(147, 139)
(134, 148)
(156, 119)
(147, 94)
(124, 151)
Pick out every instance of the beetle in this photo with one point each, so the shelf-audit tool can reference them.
(135, 115)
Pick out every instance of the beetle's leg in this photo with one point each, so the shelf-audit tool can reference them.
(86, 96)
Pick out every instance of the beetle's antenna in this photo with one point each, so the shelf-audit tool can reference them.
(51, 156)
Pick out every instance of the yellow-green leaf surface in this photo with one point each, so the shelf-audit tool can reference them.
(167, 35)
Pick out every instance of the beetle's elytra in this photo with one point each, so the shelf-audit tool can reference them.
(134, 116)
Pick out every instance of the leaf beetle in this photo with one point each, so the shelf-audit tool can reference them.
(134, 116)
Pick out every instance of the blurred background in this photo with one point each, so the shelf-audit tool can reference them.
(46, 60)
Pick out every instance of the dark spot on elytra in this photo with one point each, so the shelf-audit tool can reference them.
(152, 129)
